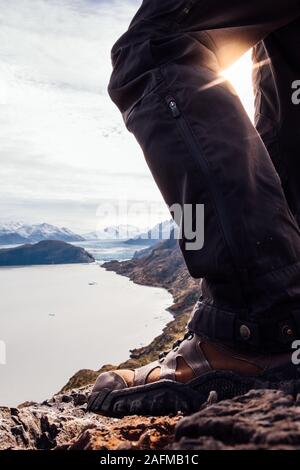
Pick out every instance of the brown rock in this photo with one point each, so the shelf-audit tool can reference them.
(262, 419)
(62, 423)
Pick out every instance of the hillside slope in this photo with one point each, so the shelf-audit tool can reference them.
(42, 253)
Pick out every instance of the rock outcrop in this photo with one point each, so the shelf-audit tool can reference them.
(62, 423)
(260, 420)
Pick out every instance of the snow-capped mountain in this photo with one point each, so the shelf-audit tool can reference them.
(117, 232)
(18, 232)
(10, 227)
(162, 231)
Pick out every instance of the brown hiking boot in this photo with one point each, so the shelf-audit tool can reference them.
(182, 379)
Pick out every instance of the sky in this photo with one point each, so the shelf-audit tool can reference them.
(66, 157)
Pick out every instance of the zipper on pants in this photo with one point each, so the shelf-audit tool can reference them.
(186, 10)
(217, 196)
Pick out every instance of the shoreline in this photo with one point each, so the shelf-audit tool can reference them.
(73, 305)
(164, 267)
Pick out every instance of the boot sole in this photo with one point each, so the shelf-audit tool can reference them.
(168, 397)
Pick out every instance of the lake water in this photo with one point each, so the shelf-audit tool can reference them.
(55, 320)
(107, 250)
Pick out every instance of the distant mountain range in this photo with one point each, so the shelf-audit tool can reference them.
(117, 232)
(160, 232)
(43, 253)
(18, 233)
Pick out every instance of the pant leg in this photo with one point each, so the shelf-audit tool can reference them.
(277, 67)
(202, 149)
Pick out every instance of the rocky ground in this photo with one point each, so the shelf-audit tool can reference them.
(62, 423)
(259, 420)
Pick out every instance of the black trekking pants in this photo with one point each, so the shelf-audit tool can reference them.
(202, 148)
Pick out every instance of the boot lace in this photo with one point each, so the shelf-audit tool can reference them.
(188, 336)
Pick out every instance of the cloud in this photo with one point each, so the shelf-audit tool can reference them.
(61, 137)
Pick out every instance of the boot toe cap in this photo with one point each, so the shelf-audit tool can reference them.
(109, 381)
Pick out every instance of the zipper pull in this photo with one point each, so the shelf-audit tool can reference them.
(173, 107)
(186, 11)
(189, 6)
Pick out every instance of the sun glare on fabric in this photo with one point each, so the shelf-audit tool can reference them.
(240, 75)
